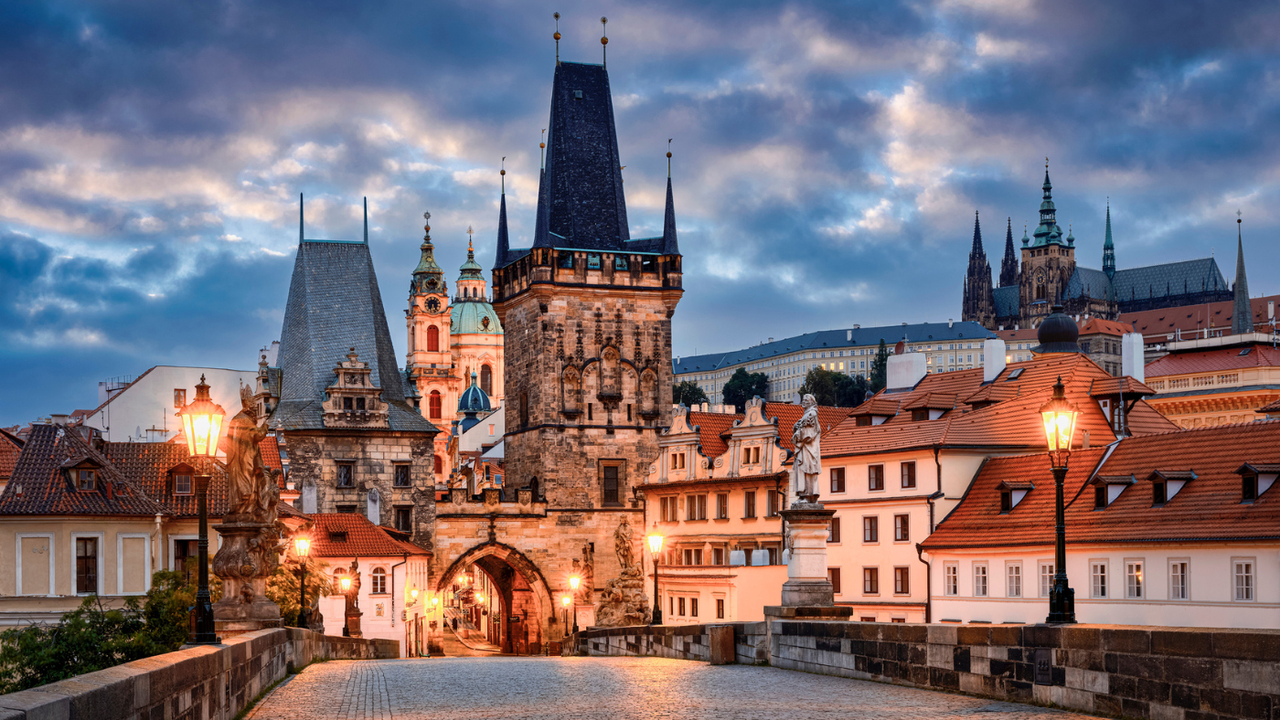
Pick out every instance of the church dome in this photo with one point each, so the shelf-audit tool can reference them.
(474, 317)
(473, 400)
(1058, 333)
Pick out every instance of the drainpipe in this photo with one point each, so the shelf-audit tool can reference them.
(393, 587)
(782, 521)
(928, 580)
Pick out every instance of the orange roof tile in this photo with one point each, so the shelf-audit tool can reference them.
(1099, 326)
(878, 405)
(10, 448)
(1215, 360)
(711, 427)
(1102, 387)
(352, 535)
(788, 415)
(1158, 325)
(1273, 406)
(271, 455)
(1207, 508)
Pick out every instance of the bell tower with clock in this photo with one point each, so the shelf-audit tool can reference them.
(428, 363)
(1048, 261)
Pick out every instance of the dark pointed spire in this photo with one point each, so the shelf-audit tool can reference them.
(669, 244)
(1109, 248)
(300, 236)
(1241, 311)
(366, 221)
(1048, 231)
(1009, 265)
(977, 250)
(504, 244)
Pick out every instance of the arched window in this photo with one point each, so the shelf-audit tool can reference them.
(337, 579)
(411, 333)
(486, 379)
(434, 404)
(433, 339)
(379, 581)
(439, 466)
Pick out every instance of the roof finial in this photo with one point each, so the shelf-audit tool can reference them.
(1046, 162)
(669, 157)
(299, 218)
(542, 150)
(1238, 218)
(557, 37)
(426, 229)
(502, 174)
(469, 231)
(604, 43)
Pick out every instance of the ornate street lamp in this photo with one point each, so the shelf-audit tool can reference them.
(566, 601)
(302, 546)
(202, 423)
(345, 583)
(1059, 429)
(575, 582)
(655, 547)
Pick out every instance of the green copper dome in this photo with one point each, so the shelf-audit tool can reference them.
(474, 317)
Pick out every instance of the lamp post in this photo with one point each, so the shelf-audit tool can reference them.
(574, 583)
(655, 547)
(345, 583)
(202, 423)
(566, 601)
(435, 602)
(302, 546)
(413, 593)
(1059, 427)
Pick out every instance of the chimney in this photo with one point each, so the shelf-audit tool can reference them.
(848, 336)
(1132, 358)
(58, 419)
(993, 359)
(950, 322)
(905, 370)
(1271, 309)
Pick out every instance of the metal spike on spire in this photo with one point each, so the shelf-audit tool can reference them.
(1242, 311)
(604, 43)
(542, 150)
(557, 36)
(669, 158)
(366, 220)
(299, 218)
(502, 174)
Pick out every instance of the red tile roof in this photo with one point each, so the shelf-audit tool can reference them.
(152, 466)
(1273, 406)
(352, 535)
(1157, 325)
(1102, 387)
(788, 415)
(1099, 326)
(1003, 413)
(1215, 360)
(271, 456)
(878, 405)
(711, 426)
(1206, 509)
(39, 485)
(10, 448)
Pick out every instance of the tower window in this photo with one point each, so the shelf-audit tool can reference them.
(609, 477)
(486, 378)
(435, 405)
(433, 339)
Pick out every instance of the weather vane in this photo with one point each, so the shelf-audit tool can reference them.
(427, 227)
(502, 174)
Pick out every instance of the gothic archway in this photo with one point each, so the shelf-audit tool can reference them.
(525, 594)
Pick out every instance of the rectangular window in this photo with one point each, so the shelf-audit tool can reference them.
(1098, 576)
(719, 608)
(348, 509)
(837, 480)
(1178, 585)
(901, 528)
(1046, 578)
(870, 581)
(695, 507)
(1249, 488)
(870, 529)
(901, 581)
(717, 556)
(346, 474)
(693, 607)
(1157, 493)
(378, 582)
(404, 519)
(610, 490)
(672, 603)
(950, 579)
(86, 480)
(693, 556)
(875, 477)
(979, 579)
(401, 475)
(179, 397)
(182, 484)
(749, 504)
(1133, 579)
(680, 604)
(833, 530)
(1243, 579)
(722, 506)
(771, 504)
(1013, 580)
(833, 576)
(86, 565)
(908, 474)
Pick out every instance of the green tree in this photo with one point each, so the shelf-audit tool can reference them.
(688, 393)
(282, 586)
(821, 384)
(879, 369)
(743, 386)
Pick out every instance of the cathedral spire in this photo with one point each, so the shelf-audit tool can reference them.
(1048, 232)
(1109, 249)
(976, 250)
(1009, 265)
(979, 303)
(1241, 311)
(669, 245)
(504, 243)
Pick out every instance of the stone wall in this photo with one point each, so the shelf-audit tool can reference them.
(214, 682)
(1134, 671)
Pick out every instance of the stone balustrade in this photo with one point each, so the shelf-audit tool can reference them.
(213, 682)
(1133, 671)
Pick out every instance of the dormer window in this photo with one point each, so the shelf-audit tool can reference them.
(919, 414)
(1106, 488)
(1157, 493)
(1014, 374)
(182, 484)
(1012, 493)
(1165, 484)
(863, 421)
(86, 480)
(1255, 479)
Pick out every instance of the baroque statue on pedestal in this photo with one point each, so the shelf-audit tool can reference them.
(807, 464)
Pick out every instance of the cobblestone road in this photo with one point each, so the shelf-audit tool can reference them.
(605, 689)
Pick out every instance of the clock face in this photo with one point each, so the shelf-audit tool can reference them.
(433, 305)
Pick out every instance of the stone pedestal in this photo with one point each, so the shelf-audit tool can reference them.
(353, 623)
(807, 584)
(245, 560)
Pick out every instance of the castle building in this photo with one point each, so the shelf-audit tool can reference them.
(1048, 275)
(449, 340)
(354, 442)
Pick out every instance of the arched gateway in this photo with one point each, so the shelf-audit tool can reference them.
(523, 609)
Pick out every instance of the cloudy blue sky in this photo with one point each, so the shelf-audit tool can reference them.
(829, 157)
